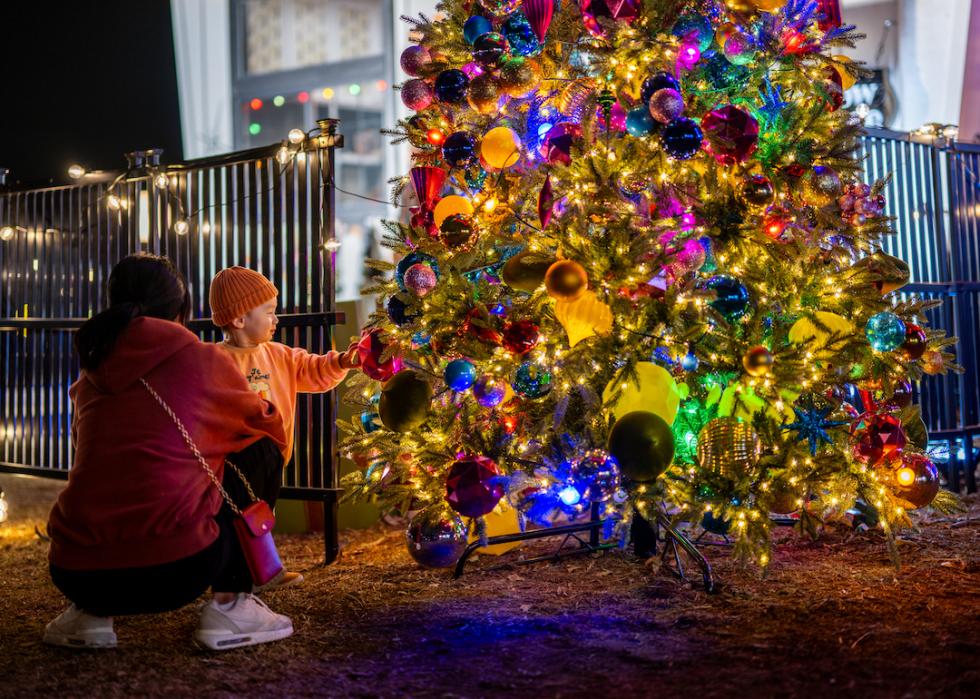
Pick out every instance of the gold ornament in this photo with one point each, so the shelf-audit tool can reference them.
(501, 148)
(728, 446)
(483, 93)
(584, 317)
(783, 500)
(889, 273)
(932, 362)
(846, 78)
(524, 273)
(449, 206)
(566, 280)
(517, 77)
(823, 185)
(757, 361)
(757, 190)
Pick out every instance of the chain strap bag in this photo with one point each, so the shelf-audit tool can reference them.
(253, 525)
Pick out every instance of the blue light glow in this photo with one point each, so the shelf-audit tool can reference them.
(569, 495)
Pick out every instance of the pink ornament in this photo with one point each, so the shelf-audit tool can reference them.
(688, 55)
(539, 14)
(688, 259)
(415, 59)
(417, 94)
(666, 104)
(731, 134)
(557, 145)
(369, 350)
(471, 487)
(420, 278)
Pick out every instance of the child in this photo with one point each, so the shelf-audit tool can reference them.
(243, 305)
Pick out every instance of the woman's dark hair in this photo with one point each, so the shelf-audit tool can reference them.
(140, 285)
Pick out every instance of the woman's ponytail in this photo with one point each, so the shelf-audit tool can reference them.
(140, 285)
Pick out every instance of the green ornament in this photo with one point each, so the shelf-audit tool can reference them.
(405, 400)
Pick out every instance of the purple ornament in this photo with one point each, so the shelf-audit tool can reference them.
(420, 278)
(471, 487)
(732, 134)
(414, 60)
(417, 94)
(688, 259)
(557, 144)
(489, 391)
(666, 105)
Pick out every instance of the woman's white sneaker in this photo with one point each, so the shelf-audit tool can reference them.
(246, 621)
(74, 628)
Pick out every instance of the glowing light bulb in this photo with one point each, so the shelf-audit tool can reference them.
(435, 137)
(113, 202)
(161, 181)
(331, 244)
(76, 171)
(489, 205)
(181, 227)
(905, 476)
(6, 233)
(296, 136)
(570, 495)
(4, 509)
(278, 100)
(283, 155)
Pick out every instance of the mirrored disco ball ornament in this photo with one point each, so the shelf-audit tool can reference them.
(531, 380)
(436, 536)
(666, 104)
(885, 331)
(728, 446)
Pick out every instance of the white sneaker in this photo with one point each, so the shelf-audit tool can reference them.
(77, 629)
(245, 622)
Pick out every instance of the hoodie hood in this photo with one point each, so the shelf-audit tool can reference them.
(143, 345)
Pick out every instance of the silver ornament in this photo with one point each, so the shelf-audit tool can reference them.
(436, 536)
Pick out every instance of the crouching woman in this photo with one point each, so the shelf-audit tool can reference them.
(141, 528)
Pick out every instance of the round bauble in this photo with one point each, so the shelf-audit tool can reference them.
(415, 59)
(757, 361)
(517, 77)
(420, 279)
(500, 148)
(521, 37)
(728, 446)
(732, 134)
(658, 81)
(822, 185)
(595, 476)
(410, 259)
(457, 232)
(398, 309)
(450, 206)
(731, 297)
(916, 480)
(757, 190)
(521, 336)
(531, 381)
(566, 280)
(639, 122)
(932, 362)
(885, 331)
(436, 536)
(901, 396)
(525, 271)
(476, 27)
(483, 93)
(459, 149)
(451, 86)
(681, 138)
(417, 94)
(915, 343)
(489, 391)
(472, 489)
(490, 49)
(460, 374)
(666, 104)
(405, 400)
(642, 444)
(739, 48)
(696, 29)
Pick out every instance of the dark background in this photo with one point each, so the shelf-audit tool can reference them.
(85, 82)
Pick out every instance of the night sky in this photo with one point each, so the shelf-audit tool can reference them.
(86, 82)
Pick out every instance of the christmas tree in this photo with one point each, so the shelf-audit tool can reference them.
(642, 271)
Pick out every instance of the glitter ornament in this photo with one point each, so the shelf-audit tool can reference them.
(694, 28)
(490, 49)
(666, 104)
(489, 391)
(415, 59)
(822, 186)
(932, 362)
(558, 142)
(531, 380)
(728, 446)
(420, 278)
(521, 336)
(397, 308)
(914, 345)
(471, 487)
(457, 232)
(451, 86)
(500, 8)
(757, 190)
(657, 82)
(517, 77)
(639, 122)
(916, 480)
(411, 259)
(757, 361)
(690, 362)
(566, 280)
(369, 350)
(417, 94)
(731, 297)
(879, 437)
(483, 93)
(732, 134)
(436, 536)
(885, 331)
(681, 138)
(688, 259)
(521, 37)
(460, 374)
(476, 27)
(405, 401)
(459, 149)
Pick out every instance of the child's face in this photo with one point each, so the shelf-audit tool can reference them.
(260, 323)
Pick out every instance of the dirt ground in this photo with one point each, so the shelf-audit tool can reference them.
(833, 619)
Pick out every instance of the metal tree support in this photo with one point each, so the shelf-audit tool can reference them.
(250, 208)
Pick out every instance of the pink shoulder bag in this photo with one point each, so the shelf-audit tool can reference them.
(253, 524)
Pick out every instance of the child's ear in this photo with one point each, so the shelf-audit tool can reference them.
(238, 323)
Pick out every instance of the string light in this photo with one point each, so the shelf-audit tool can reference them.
(76, 171)
(161, 181)
(6, 232)
(181, 227)
(296, 136)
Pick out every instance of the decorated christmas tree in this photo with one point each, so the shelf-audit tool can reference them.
(643, 271)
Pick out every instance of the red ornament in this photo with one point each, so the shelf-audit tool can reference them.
(835, 89)
(828, 14)
(731, 134)
(435, 137)
(470, 486)
(880, 437)
(478, 324)
(775, 221)
(915, 341)
(794, 171)
(546, 202)
(369, 350)
(521, 336)
(539, 14)
(558, 142)
(794, 41)
(916, 480)
(427, 182)
(902, 395)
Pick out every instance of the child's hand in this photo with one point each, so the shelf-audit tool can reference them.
(350, 359)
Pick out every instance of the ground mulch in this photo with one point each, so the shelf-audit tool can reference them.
(833, 619)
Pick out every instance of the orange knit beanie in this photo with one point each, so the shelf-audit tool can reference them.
(237, 290)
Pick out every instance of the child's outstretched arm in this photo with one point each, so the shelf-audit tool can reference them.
(316, 373)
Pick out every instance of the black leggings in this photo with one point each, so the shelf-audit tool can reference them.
(168, 586)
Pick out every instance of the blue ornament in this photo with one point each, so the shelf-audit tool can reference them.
(731, 297)
(812, 425)
(489, 391)
(398, 311)
(772, 104)
(459, 149)
(689, 362)
(885, 331)
(421, 339)
(531, 381)
(500, 308)
(662, 355)
(658, 81)
(694, 28)
(451, 86)
(710, 265)
(411, 259)
(370, 421)
(639, 122)
(476, 27)
(569, 496)
(460, 374)
(522, 39)
(681, 138)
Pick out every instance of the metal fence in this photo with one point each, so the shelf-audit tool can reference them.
(271, 209)
(934, 193)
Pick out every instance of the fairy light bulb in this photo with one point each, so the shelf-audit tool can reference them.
(905, 476)
(113, 202)
(76, 171)
(161, 181)
(296, 136)
(6, 233)
(435, 137)
(283, 155)
(181, 227)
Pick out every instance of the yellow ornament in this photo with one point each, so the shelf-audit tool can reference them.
(767, 5)
(501, 520)
(657, 393)
(932, 362)
(806, 330)
(584, 317)
(501, 148)
(450, 206)
(846, 78)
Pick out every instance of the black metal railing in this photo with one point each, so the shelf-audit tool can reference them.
(271, 209)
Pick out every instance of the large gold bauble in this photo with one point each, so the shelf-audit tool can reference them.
(566, 280)
(483, 93)
(757, 361)
(524, 273)
(822, 185)
(517, 76)
(728, 446)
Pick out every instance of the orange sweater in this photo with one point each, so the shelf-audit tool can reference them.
(277, 373)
